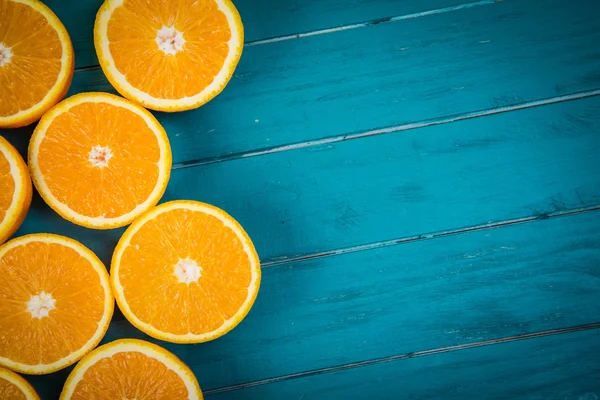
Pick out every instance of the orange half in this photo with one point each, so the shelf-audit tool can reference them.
(185, 272)
(168, 55)
(55, 303)
(99, 160)
(14, 387)
(36, 61)
(131, 369)
(15, 190)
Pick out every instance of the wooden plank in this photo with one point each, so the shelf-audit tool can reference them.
(262, 19)
(424, 68)
(559, 367)
(519, 164)
(412, 297)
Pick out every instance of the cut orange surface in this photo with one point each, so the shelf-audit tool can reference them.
(14, 387)
(131, 369)
(15, 190)
(36, 61)
(55, 303)
(185, 272)
(168, 55)
(99, 160)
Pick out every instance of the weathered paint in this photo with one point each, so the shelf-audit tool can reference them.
(420, 179)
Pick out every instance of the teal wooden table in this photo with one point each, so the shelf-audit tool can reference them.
(421, 179)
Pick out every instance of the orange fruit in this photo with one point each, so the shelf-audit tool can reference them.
(55, 303)
(36, 61)
(14, 387)
(15, 190)
(131, 369)
(168, 55)
(185, 272)
(99, 160)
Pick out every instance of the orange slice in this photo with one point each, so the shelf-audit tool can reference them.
(55, 303)
(168, 55)
(185, 272)
(131, 369)
(99, 160)
(14, 387)
(15, 190)
(36, 61)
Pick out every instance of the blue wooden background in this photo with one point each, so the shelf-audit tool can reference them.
(421, 179)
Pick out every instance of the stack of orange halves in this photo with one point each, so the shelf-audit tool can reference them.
(184, 271)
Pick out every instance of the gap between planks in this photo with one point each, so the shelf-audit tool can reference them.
(388, 130)
(427, 236)
(398, 357)
(349, 26)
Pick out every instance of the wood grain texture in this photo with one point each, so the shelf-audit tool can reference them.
(263, 19)
(423, 68)
(519, 164)
(560, 367)
(411, 297)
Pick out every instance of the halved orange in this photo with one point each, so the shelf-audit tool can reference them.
(185, 272)
(168, 55)
(99, 160)
(131, 369)
(15, 190)
(55, 303)
(36, 61)
(14, 387)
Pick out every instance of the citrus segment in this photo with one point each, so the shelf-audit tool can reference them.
(15, 387)
(36, 61)
(131, 369)
(99, 160)
(55, 303)
(168, 55)
(15, 190)
(185, 272)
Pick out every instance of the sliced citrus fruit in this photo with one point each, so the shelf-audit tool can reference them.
(14, 387)
(99, 160)
(36, 61)
(55, 303)
(15, 190)
(185, 272)
(168, 55)
(131, 369)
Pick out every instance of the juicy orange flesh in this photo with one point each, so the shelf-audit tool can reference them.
(129, 375)
(9, 390)
(36, 60)
(153, 291)
(111, 191)
(7, 185)
(36, 267)
(132, 32)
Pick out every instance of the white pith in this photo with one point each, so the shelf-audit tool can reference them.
(187, 271)
(40, 305)
(169, 40)
(100, 156)
(5, 55)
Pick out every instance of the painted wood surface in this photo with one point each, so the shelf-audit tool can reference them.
(548, 368)
(420, 69)
(319, 199)
(410, 185)
(417, 296)
(263, 19)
